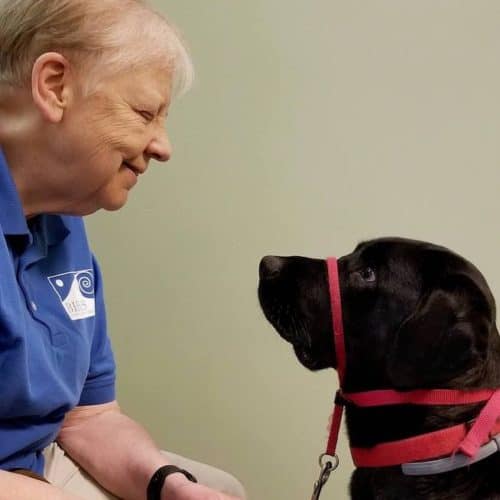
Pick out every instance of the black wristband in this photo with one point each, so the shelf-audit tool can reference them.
(156, 482)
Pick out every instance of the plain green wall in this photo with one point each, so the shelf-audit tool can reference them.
(312, 125)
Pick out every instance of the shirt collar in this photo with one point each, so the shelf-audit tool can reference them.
(53, 229)
(12, 219)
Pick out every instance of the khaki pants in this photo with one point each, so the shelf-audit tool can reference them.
(64, 473)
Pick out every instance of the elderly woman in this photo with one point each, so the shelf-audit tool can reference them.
(85, 87)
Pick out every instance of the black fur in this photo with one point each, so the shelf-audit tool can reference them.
(416, 316)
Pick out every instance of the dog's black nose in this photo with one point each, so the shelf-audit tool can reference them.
(270, 266)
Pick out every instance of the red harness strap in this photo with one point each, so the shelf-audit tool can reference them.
(428, 397)
(338, 338)
(444, 442)
(338, 323)
(459, 438)
(483, 427)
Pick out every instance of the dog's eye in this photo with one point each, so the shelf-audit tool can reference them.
(368, 275)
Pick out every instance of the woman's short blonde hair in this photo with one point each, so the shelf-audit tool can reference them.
(101, 38)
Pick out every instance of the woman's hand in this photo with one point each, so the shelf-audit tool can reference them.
(177, 487)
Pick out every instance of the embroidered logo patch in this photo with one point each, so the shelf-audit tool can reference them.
(76, 292)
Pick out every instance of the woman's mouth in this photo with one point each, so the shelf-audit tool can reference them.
(135, 170)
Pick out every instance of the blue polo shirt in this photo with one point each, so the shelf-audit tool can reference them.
(55, 353)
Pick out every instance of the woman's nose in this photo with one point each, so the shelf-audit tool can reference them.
(160, 147)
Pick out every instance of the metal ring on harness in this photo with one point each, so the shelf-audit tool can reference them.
(323, 463)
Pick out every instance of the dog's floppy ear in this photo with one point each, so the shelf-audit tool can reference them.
(445, 337)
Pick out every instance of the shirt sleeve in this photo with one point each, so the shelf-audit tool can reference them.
(99, 387)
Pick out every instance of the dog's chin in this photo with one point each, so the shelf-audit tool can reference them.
(285, 327)
(308, 359)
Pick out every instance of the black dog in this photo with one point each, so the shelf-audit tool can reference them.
(416, 316)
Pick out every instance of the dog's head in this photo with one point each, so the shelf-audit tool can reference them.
(415, 315)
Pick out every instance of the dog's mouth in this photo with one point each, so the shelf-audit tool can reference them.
(281, 318)
(291, 329)
(292, 307)
(307, 358)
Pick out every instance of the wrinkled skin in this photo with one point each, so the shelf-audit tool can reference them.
(415, 316)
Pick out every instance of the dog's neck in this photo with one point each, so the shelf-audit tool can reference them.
(369, 426)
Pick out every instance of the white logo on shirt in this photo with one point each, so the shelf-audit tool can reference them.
(76, 292)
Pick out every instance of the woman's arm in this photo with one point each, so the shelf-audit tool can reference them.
(121, 456)
(17, 487)
(116, 451)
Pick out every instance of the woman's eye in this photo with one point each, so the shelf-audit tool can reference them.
(148, 116)
(368, 275)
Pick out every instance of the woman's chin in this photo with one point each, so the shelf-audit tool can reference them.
(116, 202)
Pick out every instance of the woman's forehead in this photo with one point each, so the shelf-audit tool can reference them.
(147, 83)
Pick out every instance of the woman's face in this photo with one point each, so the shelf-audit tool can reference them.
(110, 137)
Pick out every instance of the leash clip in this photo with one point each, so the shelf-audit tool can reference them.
(326, 469)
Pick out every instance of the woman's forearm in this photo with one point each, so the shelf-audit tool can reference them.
(116, 451)
(18, 487)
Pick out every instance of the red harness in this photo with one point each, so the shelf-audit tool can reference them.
(461, 438)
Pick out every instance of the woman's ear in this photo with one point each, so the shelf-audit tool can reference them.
(51, 85)
(444, 338)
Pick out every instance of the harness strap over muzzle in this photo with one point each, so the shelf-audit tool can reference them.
(462, 439)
